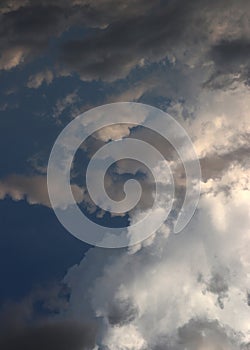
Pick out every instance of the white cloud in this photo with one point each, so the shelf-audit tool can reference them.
(201, 274)
(221, 121)
(113, 132)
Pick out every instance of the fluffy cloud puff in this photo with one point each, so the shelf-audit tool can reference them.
(192, 285)
(183, 291)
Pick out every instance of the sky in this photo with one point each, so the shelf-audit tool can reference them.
(185, 291)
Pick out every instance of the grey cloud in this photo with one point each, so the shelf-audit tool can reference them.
(25, 32)
(51, 336)
(188, 31)
(199, 334)
(128, 35)
(96, 12)
(218, 284)
(196, 333)
(22, 328)
(232, 62)
(122, 313)
(248, 298)
(27, 27)
(214, 166)
(113, 52)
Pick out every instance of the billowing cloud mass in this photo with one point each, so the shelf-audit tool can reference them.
(182, 291)
(174, 292)
(189, 32)
(129, 35)
(28, 26)
(177, 292)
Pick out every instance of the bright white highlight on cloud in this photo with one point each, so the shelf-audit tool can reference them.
(191, 58)
(144, 298)
(189, 291)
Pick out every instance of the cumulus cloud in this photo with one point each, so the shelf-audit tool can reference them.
(221, 123)
(189, 285)
(182, 291)
(219, 128)
(200, 335)
(171, 292)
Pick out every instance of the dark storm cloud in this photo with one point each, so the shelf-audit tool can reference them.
(134, 32)
(128, 34)
(93, 12)
(184, 30)
(113, 52)
(232, 62)
(25, 32)
(231, 52)
(31, 323)
(51, 336)
(27, 27)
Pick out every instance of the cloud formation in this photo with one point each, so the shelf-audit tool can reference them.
(190, 33)
(51, 336)
(177, 286)
(22, 328)
(171, 292)
(35, 81)
(181, 292)
(130, 35)
(32, 188)
(28, 27)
